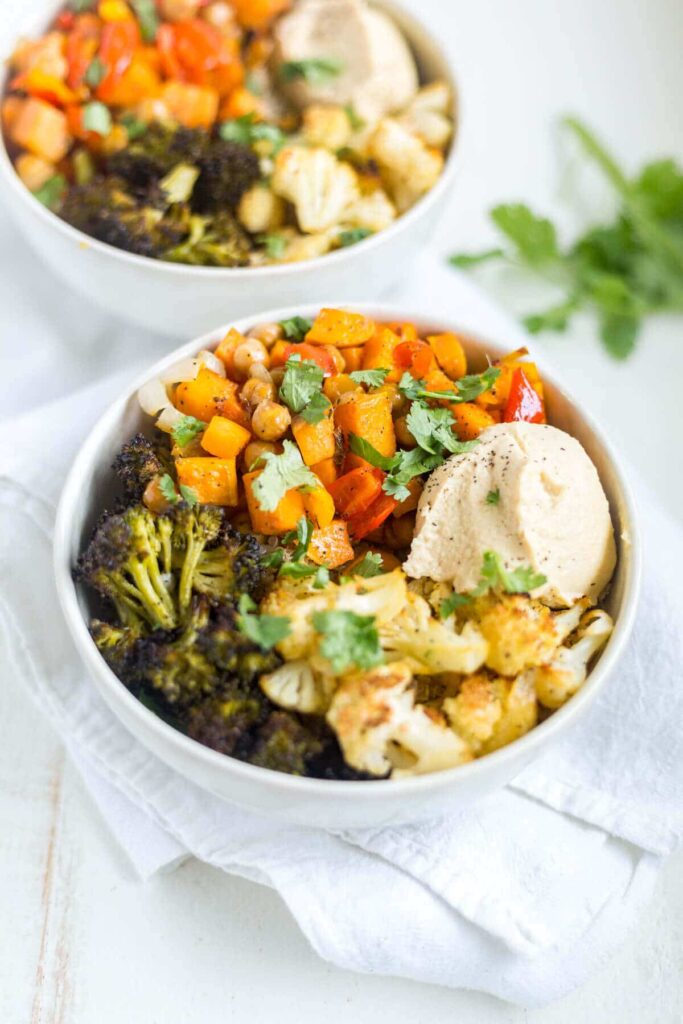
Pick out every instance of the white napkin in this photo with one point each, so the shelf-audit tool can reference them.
(521, 896)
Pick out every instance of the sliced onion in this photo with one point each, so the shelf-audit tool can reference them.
(152, 396)
(186, 369)
(212, 362)
(168, 419)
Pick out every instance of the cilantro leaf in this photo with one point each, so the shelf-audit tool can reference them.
(450, 604)
(370, 565)
(51, 191)
(264, 630)
(97, 118)
(297, 570)
(464, 260)
(467, 388)
(274, 558)
(433, 430)
(619, 334)
(494, 576)
(315, 70)
(296, 328)
(282, 473)
(410, 464)
(95, 72)
(167, 488)
(493, 497)
(348, 639)
(355, 120)
(373, 378)
(322, 577)
(186, 429)
(301, 388)
(304, 535)
(189, 495)
(146, 13)
(533, 236)
(246, 130)
(134, 126)
(350, 236)
(367, 451)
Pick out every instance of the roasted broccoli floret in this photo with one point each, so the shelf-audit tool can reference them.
(284, 744)
(226, 722)
(138, 463)
(117, 645)
(151, 156)
(226, 171)
(104, 210)
(211, 242)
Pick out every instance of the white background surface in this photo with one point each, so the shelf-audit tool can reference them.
(81, 942)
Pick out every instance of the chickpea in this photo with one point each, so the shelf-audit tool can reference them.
(268, 334)
(270, 421)
(277, 375)
(338, 386)
(220, 14)
(246, 354)
(336, 356)
(399, 404)
(179, 10)
(403, 435)
(258, 371)
(255, 449)
(398, 533)
(256, 391)
(154, 498)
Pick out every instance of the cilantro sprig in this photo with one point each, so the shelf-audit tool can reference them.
(247, 130)
(314, 70)
(296, 328)
(348, 639)
(168, 489)
(494, 576)
(280, 474)
(624, 270)
(372, 378)
(264, 630)
(351, 236)
(493, 497)
(301, 389)
(370, 565)
(466, 388)
(186, 429)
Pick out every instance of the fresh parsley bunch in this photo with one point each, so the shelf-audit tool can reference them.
(624, 271)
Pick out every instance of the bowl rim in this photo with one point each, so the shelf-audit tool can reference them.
(86, 460)
(338, 257)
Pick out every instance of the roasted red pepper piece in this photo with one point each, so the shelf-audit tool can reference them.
(120, 40)
(355, 491)
(372, 518)
(81, 47)
(313, 352)
(524, 402)
(416, 357)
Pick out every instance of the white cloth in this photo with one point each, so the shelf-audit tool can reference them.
(522, 895)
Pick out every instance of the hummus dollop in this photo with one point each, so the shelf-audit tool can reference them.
(548, 511)
(378, 73)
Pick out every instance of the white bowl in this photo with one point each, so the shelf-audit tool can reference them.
(181, 300)
(318, 802)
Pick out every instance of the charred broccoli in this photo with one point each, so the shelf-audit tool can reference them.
(226, 171)
(152, 155)
(226, 723)
(284, 744)
(138, 463)
(211, 242)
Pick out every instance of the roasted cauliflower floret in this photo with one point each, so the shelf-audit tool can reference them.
(427, 115)
(374, 211)
(435, 97)
(296, 687)
(430, 646)
(408, 166)
(520, 632)
(559, 680)
(320, 186)
(519, 713)
(380, 728)
(477, 709)
(326, 125)
(260, 210)
(307, 247)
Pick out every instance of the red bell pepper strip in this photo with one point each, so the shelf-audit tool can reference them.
(354, 492)
(120, 40)
(372, 518)
(66, 20)
(416, 357)
(81, 47)
(170, 63)
(524, 402)
(313, 352)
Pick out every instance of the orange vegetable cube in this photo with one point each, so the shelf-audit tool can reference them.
(210, 395)
(193, 106)
(282, 519)
(319, 505)
(331, 546)
(114, 10)
(138, 82)
(315, 440)
(368, 416)
(436, 380)
(356, 490)
(42, 129)
(326, 471)
(409, 504)
(406, 332)
(378, 353)
(225, 349)
(470, 420)
(450, 355)
(340, 384)
(213, 480)
(11, 108)
(225, 438)
(257, 14)
(341, 328)
(239, 103)
(353, 358)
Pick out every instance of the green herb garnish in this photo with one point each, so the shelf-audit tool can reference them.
(273, 243)
(493, 497)
(186, 429)
(370, 565)
(51, 191)
(355, 120)
(348, 639)
(450, 604)
(95, 72)
(97, 118)
(301, 389)
(134, 126)
(373, 378)
(296, 328)
(494, 576)
(349, 236)
(247, 130)
(282, 473)
(148, 19)
(264, 630)
(467, 388)
(315, 70)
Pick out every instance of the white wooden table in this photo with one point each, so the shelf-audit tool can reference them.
(81, 942)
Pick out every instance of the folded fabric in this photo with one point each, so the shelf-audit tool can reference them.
(521, 895)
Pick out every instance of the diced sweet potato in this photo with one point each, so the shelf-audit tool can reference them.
(341, 328)
(368, 416)
(319, 505)
(210, 395)
(282, 519)
(326, 471)
(225, 350)
(450, 355)
(225, 438)
(315, 440)
(356, 490)
(331, 546)
(470, 420)
(214, 481)
(378, 352)
(42, 129)
(353, 358)
(193, 106)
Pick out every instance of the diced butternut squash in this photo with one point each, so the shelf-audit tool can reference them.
(356, 490)
(340, 384)
(469, 420)
(282, 519)
(436, 380)
(409, 504)
(319, 506)
(225, 438)
(193, 106)
(214, 481)
(368, 416)
(42, 129)
(496, 397)
(138, 82)
(326, 471)
(341, 328)
(210, 395)
(11, 108)
(406, 332)
(378, 353)
(226, 349)
(450, 355)
(353, 358)
(315, 440)
(257, 14)
(331, 546)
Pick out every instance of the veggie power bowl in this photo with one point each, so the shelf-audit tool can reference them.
(351, 571)
(191, 155)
